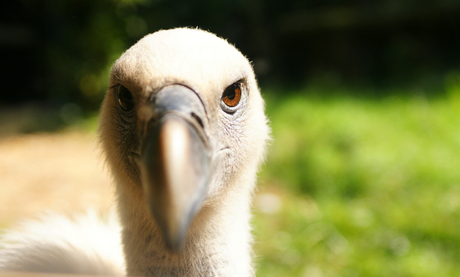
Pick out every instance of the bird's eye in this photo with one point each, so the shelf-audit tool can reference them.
(125, 98)
(232, 95)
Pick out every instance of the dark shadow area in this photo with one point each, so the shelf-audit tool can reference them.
(38, 116)
(61, 51)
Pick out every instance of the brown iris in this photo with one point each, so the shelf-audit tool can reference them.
(125, 98)
(232, 95)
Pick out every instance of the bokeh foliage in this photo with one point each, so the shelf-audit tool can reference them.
(367, 188)
(61, 51)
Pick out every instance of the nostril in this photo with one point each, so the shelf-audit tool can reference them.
(198, 119)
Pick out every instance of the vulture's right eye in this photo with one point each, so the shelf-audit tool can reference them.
(125, 98)
(232, 95)
(231, 98)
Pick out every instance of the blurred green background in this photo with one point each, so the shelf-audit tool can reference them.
(363, 175)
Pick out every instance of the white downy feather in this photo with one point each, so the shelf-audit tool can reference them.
(85, 244)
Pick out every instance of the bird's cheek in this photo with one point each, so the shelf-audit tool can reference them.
(127, 145)
(219, 175)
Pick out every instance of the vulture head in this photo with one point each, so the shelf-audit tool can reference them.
(183, 129)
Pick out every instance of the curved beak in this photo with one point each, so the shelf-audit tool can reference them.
(175, 162)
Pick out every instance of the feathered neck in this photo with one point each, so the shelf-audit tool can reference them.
(218, 242)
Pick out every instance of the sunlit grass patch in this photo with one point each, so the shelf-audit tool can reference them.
(384, 176)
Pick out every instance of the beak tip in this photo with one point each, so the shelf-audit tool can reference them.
(174, 237)
(173, 227)
(175, 244)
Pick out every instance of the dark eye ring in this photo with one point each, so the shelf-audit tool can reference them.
(232, 95)
(125, 98)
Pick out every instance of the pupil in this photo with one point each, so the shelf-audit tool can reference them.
(231, 95)
(125, 95)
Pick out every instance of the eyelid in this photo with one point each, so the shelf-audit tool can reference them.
(115, 86)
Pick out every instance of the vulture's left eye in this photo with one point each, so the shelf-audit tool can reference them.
(232, 95)
(125, 98)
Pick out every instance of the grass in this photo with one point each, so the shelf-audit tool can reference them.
(367, 187)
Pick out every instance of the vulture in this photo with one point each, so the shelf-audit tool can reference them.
(183, 130)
